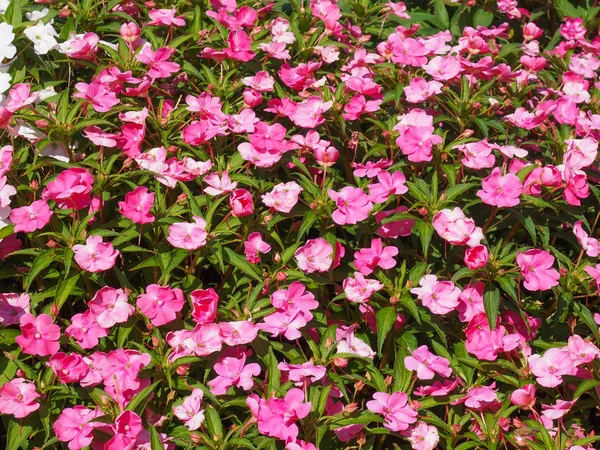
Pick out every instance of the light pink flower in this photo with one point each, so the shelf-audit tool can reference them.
(389, 184)
(13, 307)
(536, 268)
(423, 437)
(190, 411)
(95, 255)
(75, 426)
(219, 185)
(165, 17)
(359, 289)
(109, 307)
(479, 398)
(440, 297)
(420, 90)
(550, 367)
(353, 205)
(160, 304)
(283, 197)
(157, 61)
(426, 364)
(453, 226)
(590, 245)
(500, 191)
(303, 374)
(39, 336)
(137, 205)
(524, 397)
(237, 333)
(31, 218)
(190, 236)
(254, 246)
(314, 256)
(397, 413)
(17, 397)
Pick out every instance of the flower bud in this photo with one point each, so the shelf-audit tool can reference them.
(183, 369)
(389, 380)
(340, 362)
(240, 202)
(281, 277)
(130, 32)
(54, 310)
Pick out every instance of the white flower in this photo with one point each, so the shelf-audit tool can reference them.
(7, 49)
(44, 94)
(56, 150)
(37, 15)
(42, 36)
(4, 6)
(4, 82)
(27, 132)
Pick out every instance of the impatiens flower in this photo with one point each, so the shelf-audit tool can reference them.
(137, 205)
(233, 372)
(389, 184)
(190, 236)
(43, 37)
(190, 411)
(590, 245)
(426, 364)
(550, 367)
(367, 259)
(309, 113)
(303, 374)
(237, 333)
(205, 303)
(75, 426)
(219, 184)
(80, 46)
(33, 217)
(440, 297)
(160, 304)
(68, 368)
(420, 90)
(500, 191)
(479, 398)
(17, 397)
(165, 17)
(559, 410)
(95, 255)
(443, 68)
(314, 256)
(70, 189)
(240, 202)
(109, 307)
(158, 62)
(96, 94)
(476, 257)
(349, 343)
(453, 226)
(254, 246)
(13, 307)
(283, 197)
(7, 49)
(536, 268)
(423, 437)
(85, 330)
(39, 336)
(397, 413)
(524, 397)
(353, 205)
(359, 289)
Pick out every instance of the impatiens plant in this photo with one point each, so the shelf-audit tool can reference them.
(327, 224)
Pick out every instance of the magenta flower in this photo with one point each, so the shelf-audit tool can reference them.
(157, 62)
(68, 368)
(440, 297)
(389, 184)
(366, 260)
(476, 257)
(205, 303)
(165, 17)
(239, 46)
(420, 90)
(240, 202)
(303, 374)
(160, 304)
(500, 191)
(17, 397)
(233, 372)
(109, 307)
(39, 336)
(70, 189)
(353, 205)
(75, 426)
(190, 411)
(314, 256)
(85, 330)
(33, 217)
(397, 413)
(426, 364)
(524, 397)
(254, 246)
(238, 332)
(550, 367)
(95, 255)
(536, 268)
(453, 226)
(190, 236)
(479, 398)
(309, 113)
(137, 205)
(96, 94)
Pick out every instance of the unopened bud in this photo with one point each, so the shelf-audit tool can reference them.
(54, 310)
(563, 271)
(196, 439)
(281, 277)
(155, 342)
(359, 385)
(423, 211)
(328, 343)
(20, 373)
(34, 185)
(41, 123)
(415, 404)
(350, 407)
(340, 362)
(150, 327)
(389, 380)
(394, 300)
(183, 369)
(51, 243)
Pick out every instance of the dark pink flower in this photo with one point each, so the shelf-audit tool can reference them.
(160, 304)
(137, 205)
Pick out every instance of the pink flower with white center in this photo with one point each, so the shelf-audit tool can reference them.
(165, 17)
(550, 367)
(440, 297)
(536, 268)
(70, 189)
(196, 168)
(17, 397)
(137, 205)
(100, 138)
(295, 297)
(96, 94)
(558, 410)
(68, 368)
(426, 364)
(420, 90)
(437, 389)
(31, 218)
(75, 426)
(453, 226)
(243, 122)
(500, 191)
(190, 411)
(261, 82)
(279, 30)
(470, 302)
(416, 142)
(85, 330)
(443, 68)
(486, 344)
(233, 372)
(353, 205)
(314, 256)
(283, 197)
(573, 29)
(219, 184)
(39, 336)
(190, 236)
(303, 374)
(423, 437)
(95, 255)
(395, 410)
(581, 153)
(237, 333)
(157, 61)
(206, 339)
(590, 245)
(347, 342)
(389, 184)
(13, 307)
(81, 46)
(254, 246)
(478, 155)
(160, 304)
(359, 289)
(479, 398)
(366, 260)
(109, 307)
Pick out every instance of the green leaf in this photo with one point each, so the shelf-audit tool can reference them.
(585, 386)
(155, 443)
(240, 263)
(482, 18)
(441, 14)
(17, 433)
(64, 288)
(213, 422)
(138, 403)
(42, 261)
(386, 317)
(491, 304)
(584, 314)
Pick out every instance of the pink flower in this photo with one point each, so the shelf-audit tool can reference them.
(219, 185)
(359, 105)
(206, 339)
(423, 437)
(476, 257)
(165, 17)
(137, 205)
(427, 364)
(479, 398)
(237, 333)
(20, 96)
(389, 184)
(68, 368)
(81, 46)
(240, 202)
(200, 131)
(500, 191)
(190, 236)
(559, 410)
(366, 260)
(239, 46)
(471, 302)
(160, 304)
(159, 66)
(205, 303)
(99, 137)
(420, 90)
(314, 256)
(295, 297)
(30, 218)
(440, 297)
(85, 330)
(75, 426)
(417, 142)
(277, 416)
(438, 389)
(401, 227)
(524, 397)
(443, 68)
(397, 413)
(359, 289)
(17, 397)
(283, 197)
(536, 268)
(484, 343)
(261, 82)
(96, 94)
(6, 158)
(6, 191)
(109, 307)
(233, 372)
(39, 335)
(478, 155)
(309, 113)
(190, 411)
(95, 255)
(353, 205)
(254, 246)
(70, 189)
(13, 307)
(453, 226)
(590, 245)
(550, 367)
(370, 169)
(347, 342)
(303, 374)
